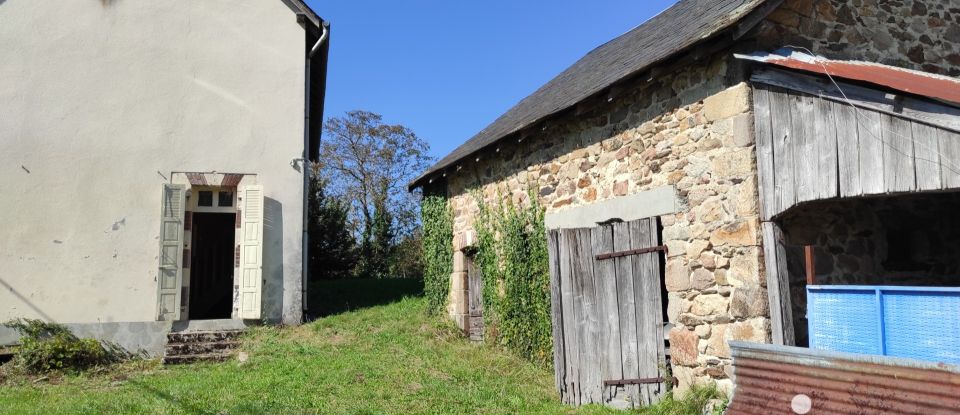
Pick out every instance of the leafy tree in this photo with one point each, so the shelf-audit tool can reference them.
(332, 246)
(370, 164)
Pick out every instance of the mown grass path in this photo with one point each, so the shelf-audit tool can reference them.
(385, 359)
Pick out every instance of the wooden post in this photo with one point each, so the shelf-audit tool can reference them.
(811, 269)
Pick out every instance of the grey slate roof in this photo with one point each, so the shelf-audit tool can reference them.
(669, 33)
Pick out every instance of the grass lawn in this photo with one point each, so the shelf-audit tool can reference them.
(386, 358)
(383, 359)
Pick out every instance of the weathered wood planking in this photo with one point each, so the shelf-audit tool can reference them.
(605, 277)
(949, 159)
(629, 341)
(607, 314)
(825, 125)
(571, 314)
(848, 150)
(647, 286)
(899, 173)
(781, 108)
(871, 152)
(926, 151)
(813, 148)
(764, 137)
(592, 385)
(556, 313)
(803, 142)
(778, 285)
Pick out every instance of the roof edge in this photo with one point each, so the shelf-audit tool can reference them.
(301, 7)
(739, 27)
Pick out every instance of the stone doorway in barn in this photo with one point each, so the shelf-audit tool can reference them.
(212, 253)
(909, 240)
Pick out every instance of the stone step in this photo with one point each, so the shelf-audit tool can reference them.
(195, 358)
(181, 349)
(203, 336)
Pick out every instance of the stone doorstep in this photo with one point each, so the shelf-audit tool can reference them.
(181, 349)
(202, 336)
(209, 357)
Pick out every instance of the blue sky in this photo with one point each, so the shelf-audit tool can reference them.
(447, 68)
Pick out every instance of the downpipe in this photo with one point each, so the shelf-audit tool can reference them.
(305, 273)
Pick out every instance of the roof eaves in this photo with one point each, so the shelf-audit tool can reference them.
(750, 12)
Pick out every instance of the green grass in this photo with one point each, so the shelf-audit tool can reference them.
(386, 359)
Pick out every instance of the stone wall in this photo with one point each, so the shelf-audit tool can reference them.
(911, 240)
(692, 130)
(916, 34)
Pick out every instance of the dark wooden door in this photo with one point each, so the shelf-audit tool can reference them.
(474, 301)
(608, 313)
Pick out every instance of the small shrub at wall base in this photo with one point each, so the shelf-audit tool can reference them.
(513, 260)
(47, 347)
(437, 250)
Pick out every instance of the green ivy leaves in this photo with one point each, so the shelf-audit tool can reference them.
(437, 220)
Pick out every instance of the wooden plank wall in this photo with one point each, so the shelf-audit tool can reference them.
(607, 314)
(813, 147)
(818, 139)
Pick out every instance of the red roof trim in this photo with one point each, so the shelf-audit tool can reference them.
(914, 82)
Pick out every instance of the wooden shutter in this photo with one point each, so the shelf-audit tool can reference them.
(170, 274)
(251, 252)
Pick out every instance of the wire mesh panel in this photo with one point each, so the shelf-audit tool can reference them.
(844, 320)
(922, 325)
(914, 322)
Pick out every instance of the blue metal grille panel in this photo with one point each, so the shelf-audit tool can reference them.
(922, 325)
(844, 321)
(913, 322)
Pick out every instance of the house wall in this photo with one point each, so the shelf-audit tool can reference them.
(101, 102)
(691, 131)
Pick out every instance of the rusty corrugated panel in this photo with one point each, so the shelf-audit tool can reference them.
(914, 82)
(780, 380)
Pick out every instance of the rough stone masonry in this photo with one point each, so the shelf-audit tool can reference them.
(691, 128)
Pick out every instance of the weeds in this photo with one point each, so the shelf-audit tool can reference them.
(49, 347)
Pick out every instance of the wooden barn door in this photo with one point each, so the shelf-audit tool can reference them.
(474, 301)
(608, 314)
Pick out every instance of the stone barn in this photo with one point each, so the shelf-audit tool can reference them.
(698, 168)
(153, 159)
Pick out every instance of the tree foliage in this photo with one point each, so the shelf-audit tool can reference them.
(369, 164)
(332, 246)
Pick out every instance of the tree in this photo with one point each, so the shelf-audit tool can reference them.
(370, 164)
(332, 246)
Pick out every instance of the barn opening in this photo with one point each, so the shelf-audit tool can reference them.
(212, 266)
(909, 240)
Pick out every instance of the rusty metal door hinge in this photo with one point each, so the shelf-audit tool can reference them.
(620, 254)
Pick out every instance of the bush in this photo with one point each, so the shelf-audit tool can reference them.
(48, 347)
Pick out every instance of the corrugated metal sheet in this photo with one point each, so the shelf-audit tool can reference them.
(778, 380)
(915, 82)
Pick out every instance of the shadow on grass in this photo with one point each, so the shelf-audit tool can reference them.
(330, 297)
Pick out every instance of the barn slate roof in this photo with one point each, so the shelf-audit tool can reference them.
(671, 32)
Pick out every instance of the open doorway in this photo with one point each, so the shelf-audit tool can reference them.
(906, 240)
(212, 266)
